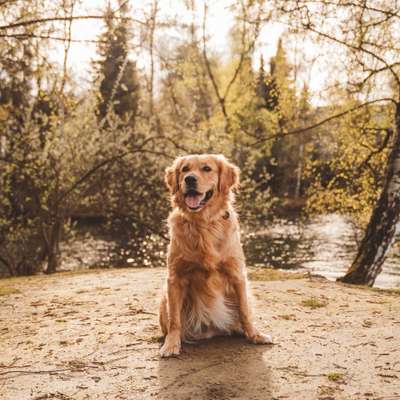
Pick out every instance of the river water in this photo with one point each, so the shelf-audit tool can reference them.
(325, 246)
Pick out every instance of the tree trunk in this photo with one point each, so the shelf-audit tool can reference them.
(381, 228)
(53, 252)
(299, 172)
(9, 266)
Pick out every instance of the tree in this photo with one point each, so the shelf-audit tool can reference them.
(119, 88)
(42, 184)
(345, 164)
(267, 89)
(368, 32)
(381, 227)
(19, 241)
(186, 89)
(281, 100)
(303, 118)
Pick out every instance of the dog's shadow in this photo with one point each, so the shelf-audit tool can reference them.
(216, 369)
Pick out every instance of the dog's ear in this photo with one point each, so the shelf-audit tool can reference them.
(170, 179)
(228, 175)
(172, 176)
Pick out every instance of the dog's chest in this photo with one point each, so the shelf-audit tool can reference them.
(205, 239)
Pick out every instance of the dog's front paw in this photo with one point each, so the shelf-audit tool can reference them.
(261, 338)
(171, 347)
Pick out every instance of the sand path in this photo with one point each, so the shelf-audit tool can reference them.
(95, 335)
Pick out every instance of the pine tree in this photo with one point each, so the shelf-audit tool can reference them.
(266, 88)
(119, 88)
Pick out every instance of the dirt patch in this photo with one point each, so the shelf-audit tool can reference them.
(95, 336)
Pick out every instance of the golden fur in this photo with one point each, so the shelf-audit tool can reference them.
(207, 285)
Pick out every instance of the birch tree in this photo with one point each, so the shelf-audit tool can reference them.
(368, 32)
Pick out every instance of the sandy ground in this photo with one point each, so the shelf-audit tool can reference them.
(95, 335)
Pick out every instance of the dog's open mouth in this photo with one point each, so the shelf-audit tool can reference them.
(195, 200)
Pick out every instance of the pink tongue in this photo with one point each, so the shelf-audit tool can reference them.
(193, 201)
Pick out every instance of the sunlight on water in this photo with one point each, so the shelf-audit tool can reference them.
(324, 246)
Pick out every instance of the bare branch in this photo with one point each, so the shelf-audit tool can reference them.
(220, 98)
(374, 72)
(245, 51)
(149, 227)
(323, 122)
(37, 21)
(153, 25)
(26, 36)
(67, 46)
(389, 134)
(364, 6)
(107, 161)
(356, 48)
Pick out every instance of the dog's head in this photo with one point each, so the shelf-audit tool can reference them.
(198, 181)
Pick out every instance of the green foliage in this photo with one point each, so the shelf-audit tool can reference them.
(57, 161)
(119, 88)
(102, 153)
(291, 110)
(186, 94)
(132, 197)
(267, 89)
(346, 164)
(35, 171)
(196, 121)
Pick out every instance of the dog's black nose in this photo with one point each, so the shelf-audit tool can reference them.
(190, 180)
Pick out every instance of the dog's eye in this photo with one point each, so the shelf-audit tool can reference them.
(206, 168)
(185, 168)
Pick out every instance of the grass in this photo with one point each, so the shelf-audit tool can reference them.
(328, 391)
(314, 303)
(336, 377)
(155, 339)
(6, 290)
(393, 291)
(287, 317)
(7, 285)
(270, 274)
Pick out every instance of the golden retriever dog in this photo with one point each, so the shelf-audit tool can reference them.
(207, 291)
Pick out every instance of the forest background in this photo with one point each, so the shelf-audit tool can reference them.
(303, 96)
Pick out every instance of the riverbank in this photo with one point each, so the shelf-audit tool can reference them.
(324, 245)
(94, 335)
